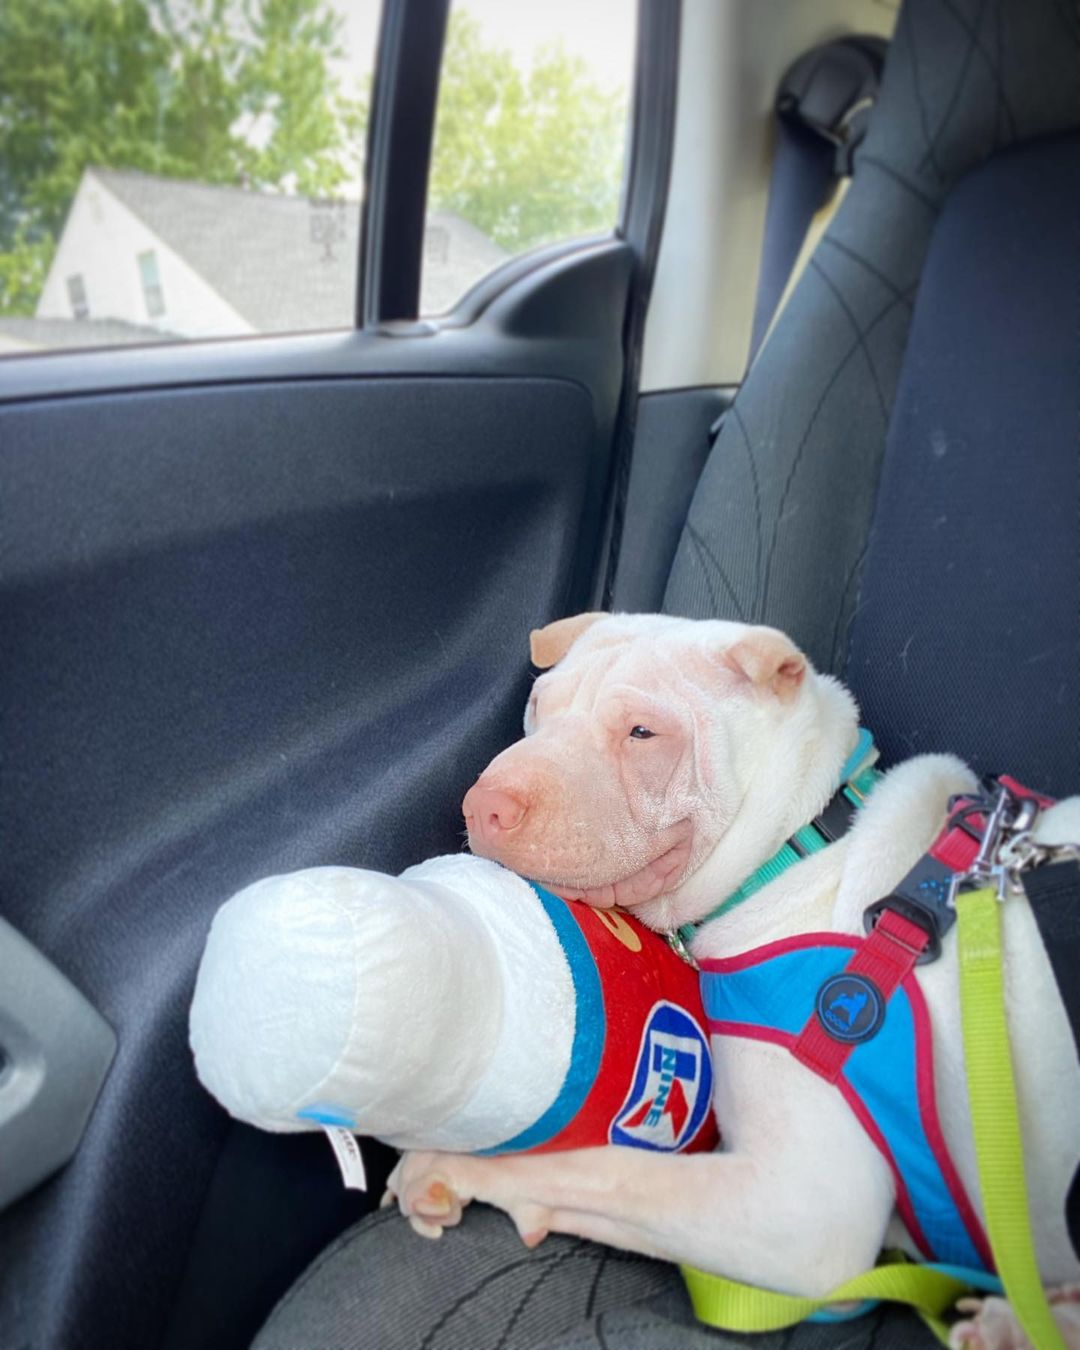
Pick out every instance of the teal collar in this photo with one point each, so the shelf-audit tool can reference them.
(857, 780)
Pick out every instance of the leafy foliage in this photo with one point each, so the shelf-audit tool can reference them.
(23, 269)
(527, 157)
(245, 92)
(223, 91)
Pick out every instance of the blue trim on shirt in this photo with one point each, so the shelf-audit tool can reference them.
(590, 1031)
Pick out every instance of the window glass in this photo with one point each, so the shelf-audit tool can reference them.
(530, 134)
(179, 168)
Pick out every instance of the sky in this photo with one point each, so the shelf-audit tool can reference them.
(600, 31)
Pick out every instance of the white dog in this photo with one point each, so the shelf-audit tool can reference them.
(664, 761)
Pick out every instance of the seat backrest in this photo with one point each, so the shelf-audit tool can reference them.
(780, 529)
(967, 634)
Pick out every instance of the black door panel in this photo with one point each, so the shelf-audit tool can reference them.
(557, 313)
(274, 577)
(264, 605)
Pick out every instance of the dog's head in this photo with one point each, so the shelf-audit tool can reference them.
(663, 760)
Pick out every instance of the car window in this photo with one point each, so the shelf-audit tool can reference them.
(530, 134)
(176, 169)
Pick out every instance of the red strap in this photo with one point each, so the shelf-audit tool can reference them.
(1019, 790)
(956, 847)
(889, 952)
(885, 957)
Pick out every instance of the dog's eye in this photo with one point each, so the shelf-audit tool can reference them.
(641, 733)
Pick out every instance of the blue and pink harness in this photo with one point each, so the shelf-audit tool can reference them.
(776, 992)
(850, 1009)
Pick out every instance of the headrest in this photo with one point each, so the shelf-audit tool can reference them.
(965, 78)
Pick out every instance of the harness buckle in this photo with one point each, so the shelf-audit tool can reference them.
(923, 897)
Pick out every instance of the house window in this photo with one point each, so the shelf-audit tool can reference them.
(76, 289)
(151, 284)
(238, 217)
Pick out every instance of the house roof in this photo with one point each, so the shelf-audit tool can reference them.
(30, 334)
(283, 262)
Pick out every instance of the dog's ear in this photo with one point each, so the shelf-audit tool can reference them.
(550, 644)
(767, 657)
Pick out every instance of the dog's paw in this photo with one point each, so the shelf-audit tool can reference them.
(433, 1189)
(430, 1190)
(1065, 1301)
(994, 1326)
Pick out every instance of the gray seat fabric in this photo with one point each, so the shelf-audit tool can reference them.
(777, 533)
(380, 1287)
(778, 527)
(974, 546)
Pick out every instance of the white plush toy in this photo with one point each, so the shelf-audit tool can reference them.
(456, 1007)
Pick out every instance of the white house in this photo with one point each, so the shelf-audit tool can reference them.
(158, 256)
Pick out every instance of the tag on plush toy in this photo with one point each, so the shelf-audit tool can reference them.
(349, 1158)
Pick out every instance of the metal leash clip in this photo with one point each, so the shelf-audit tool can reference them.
(1021, 853)
(677, 941)
(1007, 818)
(1007, 848)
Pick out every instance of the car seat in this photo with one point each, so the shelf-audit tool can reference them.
(897, 483)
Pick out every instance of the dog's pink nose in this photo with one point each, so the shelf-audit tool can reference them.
(490, 811)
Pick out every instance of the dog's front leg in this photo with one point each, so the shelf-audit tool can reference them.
(789, 1221)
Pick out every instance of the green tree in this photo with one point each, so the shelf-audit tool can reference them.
(245, 92)
(527, 157)
(255, 101)
(23, 269)
(223, 91)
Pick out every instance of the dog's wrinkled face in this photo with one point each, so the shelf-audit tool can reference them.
(638, 749)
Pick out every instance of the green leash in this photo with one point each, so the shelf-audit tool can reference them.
(999, 1155)
(742, 1307)
(994, 1117)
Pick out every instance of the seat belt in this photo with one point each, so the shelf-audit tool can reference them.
(822, 111)
(1053, 891)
